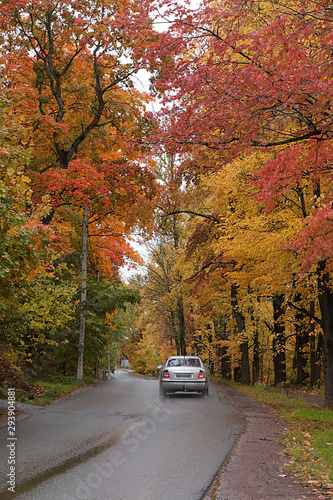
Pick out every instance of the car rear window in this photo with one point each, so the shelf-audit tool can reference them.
(184, 362)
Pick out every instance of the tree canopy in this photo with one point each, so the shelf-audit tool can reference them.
(232, 179)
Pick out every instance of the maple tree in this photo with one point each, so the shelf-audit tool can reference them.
(67, 71)
(245, 196)
(258, 75)
(165, 329)
(238, 281)
(64, 69)
(162, 292)
(24, 242)
(23, 239)
(229, 275)
(253, 242)
(144, 348)
(73, 94)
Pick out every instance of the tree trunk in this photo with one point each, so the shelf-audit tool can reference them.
(222, 352)
(326, 308)
(181, 323)
(245, 364)
(237, 374)
(225, 363)
(84, 265)
(312, 341)
(302, 341)
(174, 333)
(279, 340)
(256, 358)
(240, 320)
(316, 355)
(256, 347)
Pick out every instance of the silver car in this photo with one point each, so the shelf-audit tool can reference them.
(184, 374)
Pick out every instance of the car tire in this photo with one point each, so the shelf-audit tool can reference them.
(162, 393)
(205, 392)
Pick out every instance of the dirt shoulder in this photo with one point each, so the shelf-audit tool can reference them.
(254, 470)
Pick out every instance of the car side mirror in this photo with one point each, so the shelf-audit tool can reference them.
(207, 367)
(159, 367)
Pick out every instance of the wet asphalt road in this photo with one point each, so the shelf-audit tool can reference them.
(119, 441)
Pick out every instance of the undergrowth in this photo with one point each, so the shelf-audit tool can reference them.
(43, 392)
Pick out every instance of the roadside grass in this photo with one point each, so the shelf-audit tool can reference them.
(308, 435)
(51, 390)
(44, 391)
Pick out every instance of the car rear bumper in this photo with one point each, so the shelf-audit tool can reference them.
(185, 386)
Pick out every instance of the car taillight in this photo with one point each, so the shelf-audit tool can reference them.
(201, 374)
(166, 374)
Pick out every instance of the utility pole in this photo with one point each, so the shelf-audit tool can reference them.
(109, 366)
(83, 300)
(84, 267)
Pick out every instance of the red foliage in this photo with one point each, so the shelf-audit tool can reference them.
(236, 78)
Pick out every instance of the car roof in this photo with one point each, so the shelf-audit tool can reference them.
(189, 356)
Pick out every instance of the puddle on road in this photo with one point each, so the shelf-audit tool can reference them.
(211, 494)
(29, 484)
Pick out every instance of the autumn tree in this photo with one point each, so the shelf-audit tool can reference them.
(24, 245)
(63, 66)
(240, 270)
(258, 75)
(23, 239)
(68, 70)
(164, 291)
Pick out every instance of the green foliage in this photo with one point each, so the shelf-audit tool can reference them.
(49, 301)
(105, 297)
(11, 374)
(105, 330)
(39, 306)
(105, 313)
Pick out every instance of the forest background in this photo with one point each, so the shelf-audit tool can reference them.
(231, 181)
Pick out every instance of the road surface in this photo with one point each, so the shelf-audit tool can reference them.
(118, 441)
